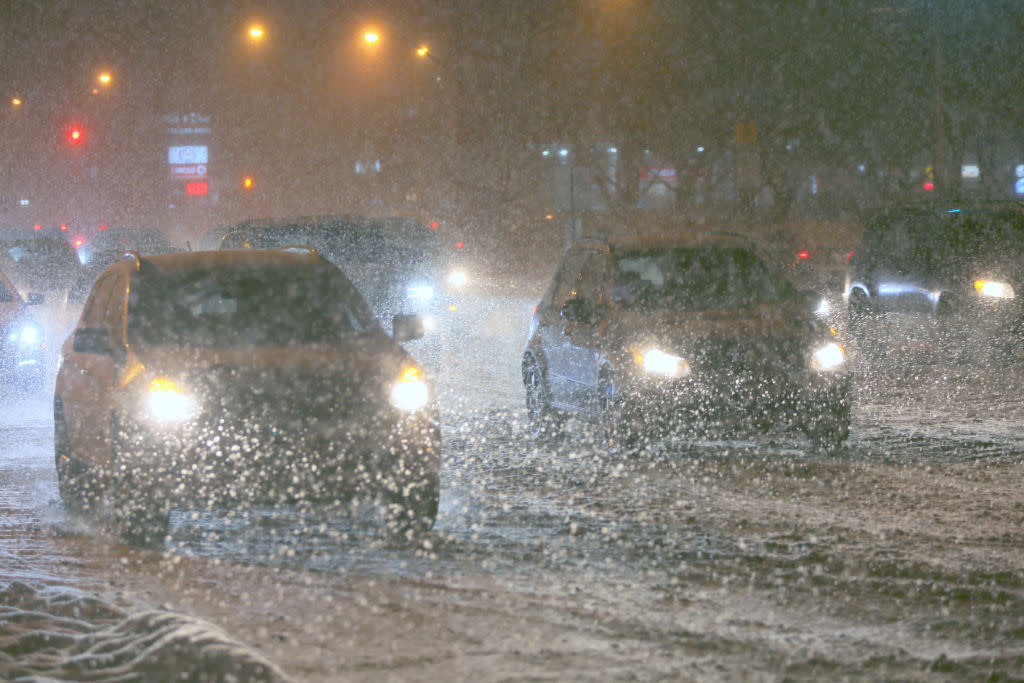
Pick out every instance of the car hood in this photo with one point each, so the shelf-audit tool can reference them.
(725, 339)
(350, 366)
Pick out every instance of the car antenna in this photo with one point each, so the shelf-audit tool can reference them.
(188, 244)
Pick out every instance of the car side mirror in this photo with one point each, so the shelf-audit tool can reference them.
(578, 310)
(93, 340)
(35, 299)
(406, 327)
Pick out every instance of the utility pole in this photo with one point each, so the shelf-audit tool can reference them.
(939, 147)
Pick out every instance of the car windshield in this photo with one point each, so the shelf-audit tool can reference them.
(691, 279)
(236, 307)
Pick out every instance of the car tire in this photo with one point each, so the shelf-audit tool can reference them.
(830, 429)
(78, 486)
(542, 422)
(414, 515)
(857, 312)
(142, 522)
(141, 508)
(618, 435)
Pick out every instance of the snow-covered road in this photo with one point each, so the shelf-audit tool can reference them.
(731, 557)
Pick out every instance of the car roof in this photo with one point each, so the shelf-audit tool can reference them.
(670, 239)
(283, 222)
(297, 256)
(950, 207)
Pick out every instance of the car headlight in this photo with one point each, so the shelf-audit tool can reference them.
(831, 356)
(421, 292)
(824, 308)
(657, 362)
(994, 289)
(458, 277)
(27, 334)
(167, 402)
(410, 392)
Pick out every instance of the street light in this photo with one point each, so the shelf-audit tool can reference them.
(15, 101)
(104, 78)
(256, 33)
(371, 37)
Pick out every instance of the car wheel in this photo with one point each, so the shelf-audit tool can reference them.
(142, 522)
(414, 514)
(78, 486)
(830, 429)
(542, 421)
(141, 508)
(857, 311)
(618, 435)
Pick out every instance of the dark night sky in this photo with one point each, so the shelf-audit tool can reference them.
(657, 70)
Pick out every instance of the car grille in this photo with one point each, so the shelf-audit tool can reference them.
(286, 403)
(747, 358)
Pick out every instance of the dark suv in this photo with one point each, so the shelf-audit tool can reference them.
(960, 266)
(651, 336)
(394, 264)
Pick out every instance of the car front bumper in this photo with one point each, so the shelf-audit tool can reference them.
(659, 407)
(226, 462)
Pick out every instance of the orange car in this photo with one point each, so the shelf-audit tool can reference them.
(231, 377)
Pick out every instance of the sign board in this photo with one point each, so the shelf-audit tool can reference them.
(188, 171)
(196, 188)
(188, 154)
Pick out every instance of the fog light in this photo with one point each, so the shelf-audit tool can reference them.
(168, 403)
(410, 392)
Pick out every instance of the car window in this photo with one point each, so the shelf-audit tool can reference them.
(692, 279)
(232, 307)
(594, 278)
(567, 280)
(94, 311)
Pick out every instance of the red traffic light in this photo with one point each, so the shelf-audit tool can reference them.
(75, 135)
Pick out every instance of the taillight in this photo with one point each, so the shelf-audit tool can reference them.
(803, 255)
(850, 255)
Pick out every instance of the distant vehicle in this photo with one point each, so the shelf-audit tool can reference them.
(109, 245)
(22, 344)
(223, 377)
(960, 264)
(649, 337)
(396, 263)
(45, 265)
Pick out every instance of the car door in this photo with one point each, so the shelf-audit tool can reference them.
(901, 265)
(89, 377)
(583, 338)
(551, 325)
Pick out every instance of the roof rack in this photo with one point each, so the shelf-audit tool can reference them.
(134, 256)
(298, 249)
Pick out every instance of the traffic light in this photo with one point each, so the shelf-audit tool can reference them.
(75, 135)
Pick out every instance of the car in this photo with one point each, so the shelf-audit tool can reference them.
(238, 376)
(394, 262)
(23, 340)
(106, 247)
(676, 333)
(46, 265)
(954, 269)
